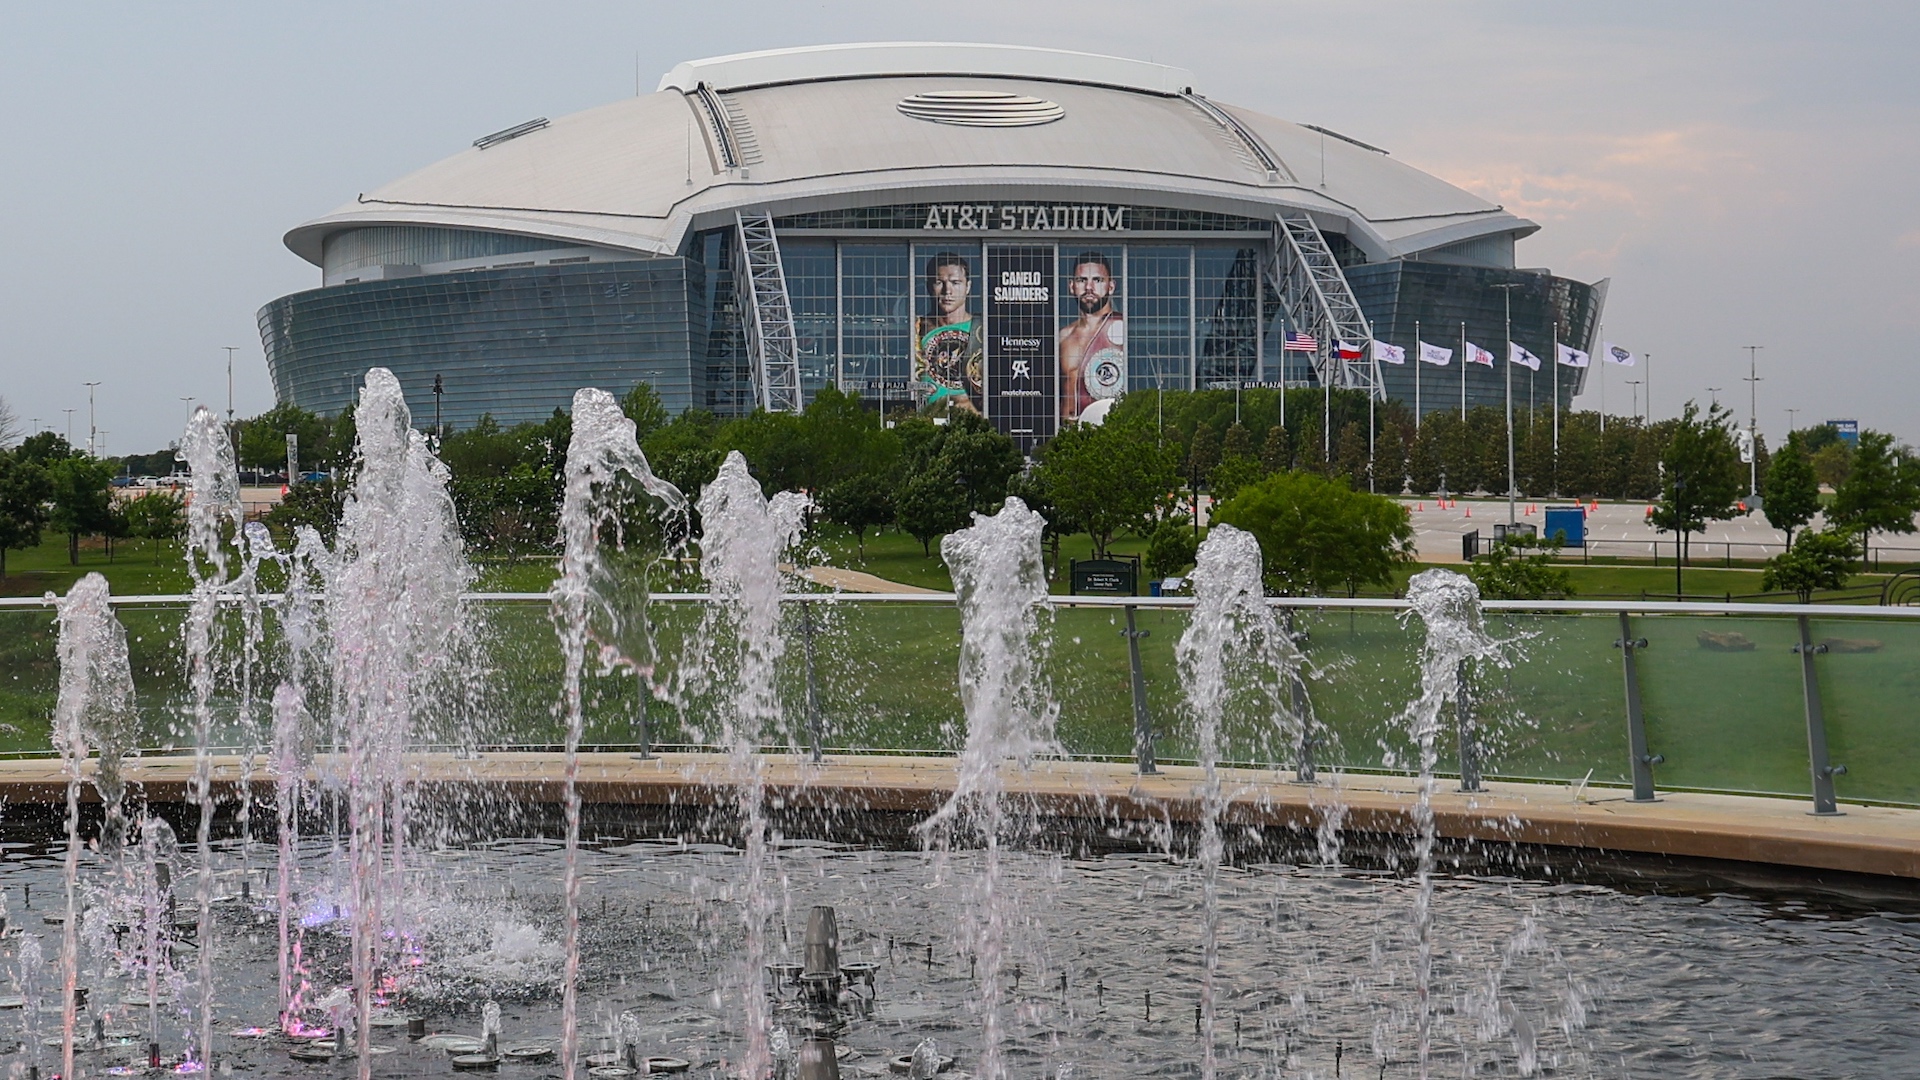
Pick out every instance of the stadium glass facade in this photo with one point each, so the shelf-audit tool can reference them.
(1190, 307)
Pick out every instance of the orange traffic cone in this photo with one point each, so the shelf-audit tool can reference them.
(1419, 506)
(1469, 511)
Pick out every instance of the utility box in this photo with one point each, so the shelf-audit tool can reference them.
(1568, 521)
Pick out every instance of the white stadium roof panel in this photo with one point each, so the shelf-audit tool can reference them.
(823, 128)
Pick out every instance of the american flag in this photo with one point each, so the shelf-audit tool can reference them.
(1301, 343)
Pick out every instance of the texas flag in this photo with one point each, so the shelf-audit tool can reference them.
(1349, 351)
(1478, 355)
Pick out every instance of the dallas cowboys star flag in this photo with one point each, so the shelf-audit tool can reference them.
(1568, 356)
(1518, 355)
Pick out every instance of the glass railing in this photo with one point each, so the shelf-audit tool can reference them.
(1721, 688)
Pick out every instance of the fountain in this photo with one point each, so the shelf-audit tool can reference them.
(1026, 934)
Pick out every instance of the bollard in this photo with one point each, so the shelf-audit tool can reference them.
(1142, 722)
(1464, 728)
(1643, 762)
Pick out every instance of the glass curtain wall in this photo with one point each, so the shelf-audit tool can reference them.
(876, 320)
(813, 285)
(1194, 314)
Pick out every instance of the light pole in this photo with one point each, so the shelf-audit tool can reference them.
(1753, 412)
(1715, 391)
(1790, 428)
(1635, 383)
(1506, 295)
(69, 413)
(93, 431)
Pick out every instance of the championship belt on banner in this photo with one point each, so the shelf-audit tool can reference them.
(1105, 373)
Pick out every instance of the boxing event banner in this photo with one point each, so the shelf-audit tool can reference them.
(1022, 369)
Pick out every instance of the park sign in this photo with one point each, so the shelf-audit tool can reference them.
(1108, 577)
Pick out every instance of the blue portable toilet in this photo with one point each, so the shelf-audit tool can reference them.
(1568, 520)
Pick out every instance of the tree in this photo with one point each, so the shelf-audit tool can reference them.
(1793, 493)
(1818, 560)
(1521, 568)
(82, 500)
(1423, 461)
(643, 406)
(860, 502)
(1238, 442)
(1390, 460)
(263, 439)
(1203, 452)
(1881, 491)
(317, 506)
(1171, 548)
(1104, 479)
(24, 491)
(158, 515)
(1316, 533)
(930, 505)
(44, 448)
(1350, 455)
(10, 427)
(1277, 452)
(1831, 462)
(1700, 481)
(1234, 472)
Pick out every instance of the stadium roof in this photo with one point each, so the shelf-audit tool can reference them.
(824, 128)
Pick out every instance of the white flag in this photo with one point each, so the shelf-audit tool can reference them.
(1478, 355)
(1518, 355)
(1435, 355)
(1615, 354)
(1389, 354)
(1571, 357)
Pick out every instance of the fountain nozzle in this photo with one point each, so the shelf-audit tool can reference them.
(818, 1061)
(820, 975)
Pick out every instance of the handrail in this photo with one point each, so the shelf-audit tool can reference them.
(1330, 603)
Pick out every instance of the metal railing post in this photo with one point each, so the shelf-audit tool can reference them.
(1464, 728)
(1824, 771)
(813, 694)
(1643, 762)
(1304, 771)
(643, 726)
(1142, 723)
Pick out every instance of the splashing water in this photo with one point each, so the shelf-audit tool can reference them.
(592, 604)
(1000, 582)
(213, 507)
(95, 708)
(1232, 644)
(1449, 605)
(396, 634)
(743, 535)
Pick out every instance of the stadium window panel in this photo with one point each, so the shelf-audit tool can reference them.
(1158, 301)
(876, 304)
(812, 287)
(1226, 291)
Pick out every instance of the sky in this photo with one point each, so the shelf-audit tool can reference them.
(1745, 172)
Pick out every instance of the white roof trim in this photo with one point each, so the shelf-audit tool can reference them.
(815, 63)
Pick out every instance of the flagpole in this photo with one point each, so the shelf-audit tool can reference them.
(1556, 405)
(1463, 370)
(1506, 291)
(1418, 359)
(1326, 409)
(1602, 369)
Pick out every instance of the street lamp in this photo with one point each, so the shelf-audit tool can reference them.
(1506, 294)
(69, 413)
(1715, 391)
(1753, 412)
(93, 432)
(1790, 427)
(1635, 383)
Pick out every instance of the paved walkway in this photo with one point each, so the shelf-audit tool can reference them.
(1867, 840)
(834, 577)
